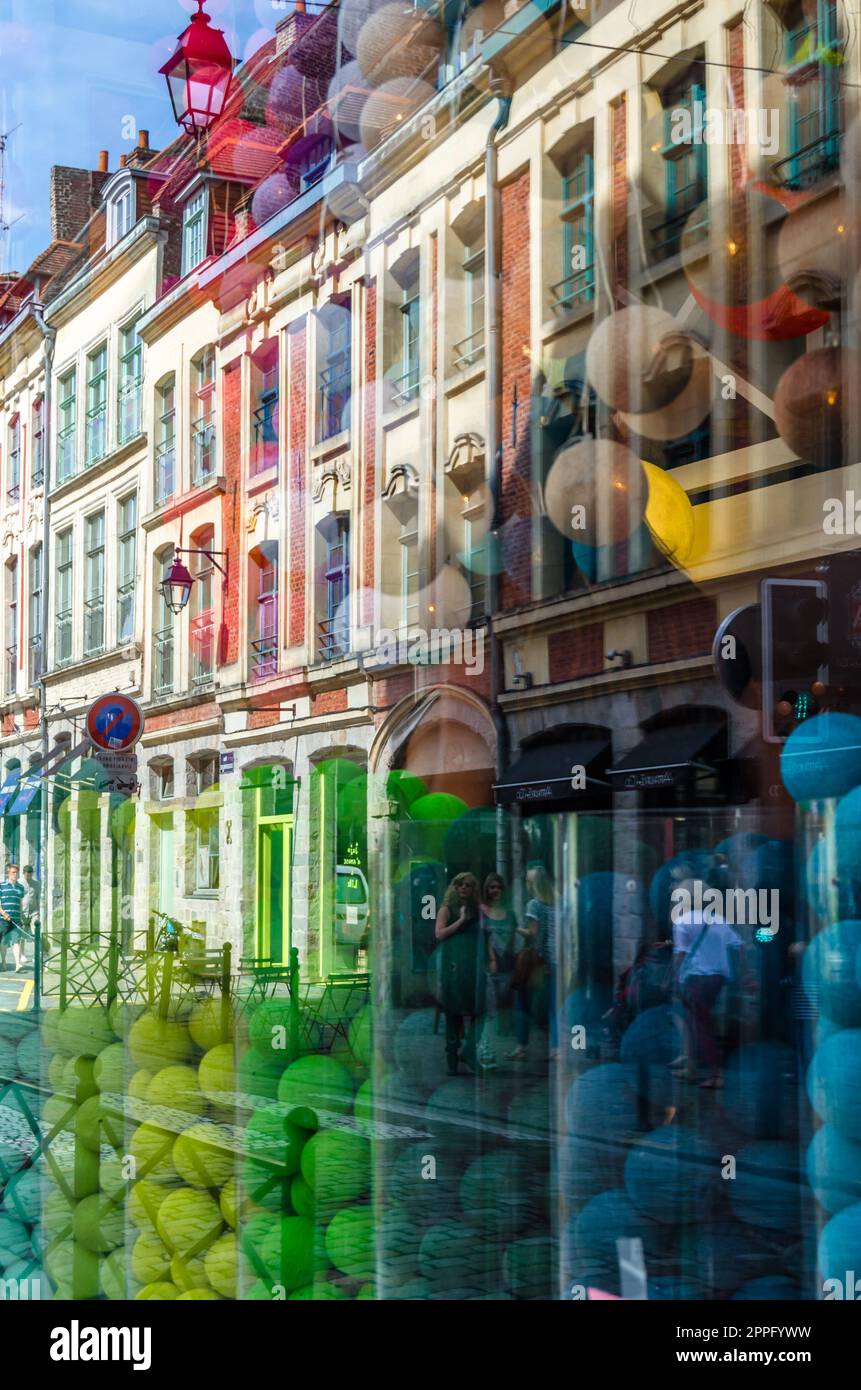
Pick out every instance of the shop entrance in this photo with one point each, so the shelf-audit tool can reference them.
(274, 858)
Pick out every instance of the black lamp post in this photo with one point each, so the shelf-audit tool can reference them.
(177, 583)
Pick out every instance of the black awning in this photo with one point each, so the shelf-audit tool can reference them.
(668, 756)
(544, 773)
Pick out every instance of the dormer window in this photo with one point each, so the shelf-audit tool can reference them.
(121, 212)
(194, 232)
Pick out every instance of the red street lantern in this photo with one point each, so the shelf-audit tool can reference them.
(199, 74)
(176, 587)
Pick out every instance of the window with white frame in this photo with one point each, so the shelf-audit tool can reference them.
(130, 384)
(37, 461)
(121, 213)
(64, 597)
(410, 572)
(127, 546)
(202, 611)
(165, 441)
(263, 592)
(11, 627)
(97, 404)
(194, 231)
(203, 418)
(205, 829)
(94, 584)
(13, 466)
(334, 377)
(35, 664)
(163, 630)
(67, 423)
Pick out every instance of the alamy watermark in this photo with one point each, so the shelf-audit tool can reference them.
(436, 646)
(699, 124)
(759, 907)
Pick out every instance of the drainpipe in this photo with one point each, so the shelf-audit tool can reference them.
(49, 336)
(500, 88)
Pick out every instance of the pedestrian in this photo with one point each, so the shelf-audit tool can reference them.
(31, 911)
(707, 954)
(499, 928)
(12, 894)
(534, 971)
(459, 964)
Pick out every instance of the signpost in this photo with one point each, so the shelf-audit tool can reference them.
(114, 722)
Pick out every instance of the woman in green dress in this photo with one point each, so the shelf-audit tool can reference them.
(459, 962)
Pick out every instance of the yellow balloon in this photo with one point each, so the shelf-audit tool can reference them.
(669, 515)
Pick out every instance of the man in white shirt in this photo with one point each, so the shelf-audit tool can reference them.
(707, 954)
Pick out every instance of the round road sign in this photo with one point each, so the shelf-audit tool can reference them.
(114, 721)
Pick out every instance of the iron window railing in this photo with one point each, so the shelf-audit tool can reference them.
(96, 432)
(129, 403)
(264, 660)
(407, 385)
(162, 676)
(470, 349)
(202, 649)
(202, 453)
(165, 470)
(810, 162)
(94, 624)
(34, 660)
(334, 401)
(65, 453)
(63, 643)
(667, 237)
(332, 639)
(578, 288)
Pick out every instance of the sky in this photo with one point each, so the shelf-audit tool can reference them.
(79, 76)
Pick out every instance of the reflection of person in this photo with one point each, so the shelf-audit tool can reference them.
(460, 961)
(707, 955)
(645, 984)
(30, 905)
(12, 894)
(499, 927)
(539, 954)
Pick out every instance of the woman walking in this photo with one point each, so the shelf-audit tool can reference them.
(534, 971)
(499, 929)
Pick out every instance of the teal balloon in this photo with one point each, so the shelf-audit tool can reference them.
(840, 1247)
(821, 758)
(829, 972)
(470, 841)
(450, 1254)
(740, 844)
(673, 1175)
(587, 1165)
(760, 1092)
(766, 1189)
(603, 1101)
(529, 1267)
(609, 1218)
(834, 1081)
(495, 1193)
(409, 1187)
(699, 861)
(603, 560)
(833, 1166)
(847, 831)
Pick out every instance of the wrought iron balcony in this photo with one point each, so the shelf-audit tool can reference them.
(165, 471)
(469, 350)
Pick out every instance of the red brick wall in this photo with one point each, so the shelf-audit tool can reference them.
(231, 428)
(516, 470)
(296, 348)
(172, 719)
(576, 652)
(681, 629)
(329, 702)
(620, 196)
(370, 476)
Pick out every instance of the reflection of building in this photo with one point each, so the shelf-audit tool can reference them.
(274, 354)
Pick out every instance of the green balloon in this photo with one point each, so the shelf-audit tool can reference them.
(301, 1196)
(350, 1242)
(259, 1076)
(438, 806)
(352, 803)
(404, 787)
(338, 770)
(336, 1164)
(269, 1028)
(314, 1085)
(272, 1146)
(322, 1292)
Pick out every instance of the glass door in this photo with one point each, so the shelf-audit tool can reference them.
(274, 856)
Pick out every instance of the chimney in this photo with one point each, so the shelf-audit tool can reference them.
(103, 161)
(143, 139)
(74, 199)
(291, 28)
(123, 158)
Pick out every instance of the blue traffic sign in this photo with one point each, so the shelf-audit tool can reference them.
(115, 721)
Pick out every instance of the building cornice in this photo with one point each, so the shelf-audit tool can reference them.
(98, 275)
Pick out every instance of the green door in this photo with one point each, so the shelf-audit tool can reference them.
(274, 857)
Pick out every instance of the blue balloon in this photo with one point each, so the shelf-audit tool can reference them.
(772, 1286)
(611, 1217)
(828, 971)
(822, 757)
(585, 1008)
(452, 1254)
(736, 846)
(771, 865)
(766, 1188)
(674, 1288)
(654, 1039)
(673, 1175)
(840, 1247)
(587, 1165)
(760, 1091)
(697, 862)
(603, 1101)
(426, 1200)
(722, 1253)
(847, 832)
(834, 1081)
(834, 1169)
